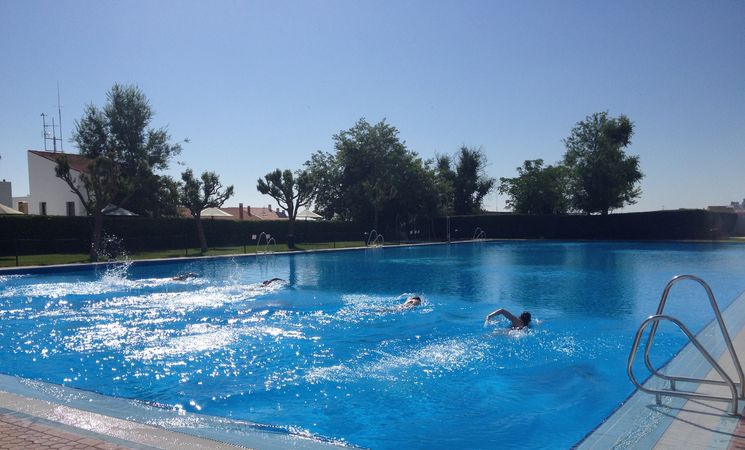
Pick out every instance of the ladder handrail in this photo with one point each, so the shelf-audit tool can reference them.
(377, 240)
(478, 233)
(655, 320)
(720, 321)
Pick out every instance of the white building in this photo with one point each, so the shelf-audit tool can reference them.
(48, 194)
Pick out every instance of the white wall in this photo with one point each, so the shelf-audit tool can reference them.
(44, 186)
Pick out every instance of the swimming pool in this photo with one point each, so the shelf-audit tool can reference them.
(329, 354)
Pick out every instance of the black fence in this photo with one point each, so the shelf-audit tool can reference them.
(32, 235)
(654, 225)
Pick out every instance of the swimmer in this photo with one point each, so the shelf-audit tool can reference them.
(518, 323)
(411, 302)
(185, 276)
(268, 282)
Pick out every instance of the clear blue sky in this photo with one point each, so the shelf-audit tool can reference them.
(262, 85)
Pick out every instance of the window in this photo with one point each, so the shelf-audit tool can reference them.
(70, 209)
(43, 208)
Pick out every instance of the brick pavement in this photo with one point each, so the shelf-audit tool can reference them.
(738, 437)
(22, 433)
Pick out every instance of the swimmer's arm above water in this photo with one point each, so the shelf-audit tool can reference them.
(503, 312)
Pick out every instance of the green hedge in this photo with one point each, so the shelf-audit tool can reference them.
(654, 225)
(53, 234)
(57, 234)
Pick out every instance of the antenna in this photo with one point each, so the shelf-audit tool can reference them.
(59, 113)
(44, 129)
(45, 133)
(54, 137)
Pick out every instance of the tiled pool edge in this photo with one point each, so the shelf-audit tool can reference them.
(639, 423)
(22, 270)
(211, 428)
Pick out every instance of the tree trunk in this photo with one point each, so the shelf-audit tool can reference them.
(200, 232)
(291, 233)
(96, 236)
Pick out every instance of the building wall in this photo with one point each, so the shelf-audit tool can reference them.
(6, 193)
(44, 186)
(18, 203)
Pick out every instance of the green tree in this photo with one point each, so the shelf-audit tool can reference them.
(537, 189)
(379, 177)
(324, 169)
(290, 193)
(465, 186)
(603, 177)
(199, 194)
(123, 155)
(444, 184)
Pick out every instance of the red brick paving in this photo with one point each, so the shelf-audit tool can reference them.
(738, 437)
(18, 433)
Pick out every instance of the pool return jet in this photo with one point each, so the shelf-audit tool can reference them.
(673, 391)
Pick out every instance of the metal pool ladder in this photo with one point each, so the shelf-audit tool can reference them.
(673, 391)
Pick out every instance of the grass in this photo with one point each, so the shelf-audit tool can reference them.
(73, 258)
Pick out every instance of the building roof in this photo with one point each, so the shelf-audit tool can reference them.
(268, 213)
(249, 213)
(78, 163)
(235, 212)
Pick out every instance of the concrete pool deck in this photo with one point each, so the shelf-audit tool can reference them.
(35, 414)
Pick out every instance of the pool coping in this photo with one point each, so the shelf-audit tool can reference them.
(19, 270)
(129, 421)
(639, 423)
(22, 270)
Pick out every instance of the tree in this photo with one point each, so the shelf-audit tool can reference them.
(290, 193)
(123, 155)
(379, 177)
(198, 195)
(467, 185)
(537, 189)
(603, 177)
(444, 184)
(324, 169)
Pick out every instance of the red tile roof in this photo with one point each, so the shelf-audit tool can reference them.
(77, 162)
(255, 213)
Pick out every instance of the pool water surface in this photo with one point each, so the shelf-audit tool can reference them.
(329, 353)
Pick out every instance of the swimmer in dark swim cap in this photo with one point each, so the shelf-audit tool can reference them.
(268, 282)
(185, 276)
(518, 323)
(411, 302)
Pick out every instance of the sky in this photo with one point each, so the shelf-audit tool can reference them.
(257, 86)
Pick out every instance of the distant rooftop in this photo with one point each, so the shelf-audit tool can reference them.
(77, 162)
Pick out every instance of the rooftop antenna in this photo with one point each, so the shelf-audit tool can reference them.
(59, 114)
(53, 126)
(45, 133)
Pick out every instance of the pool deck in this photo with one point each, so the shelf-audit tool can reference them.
(40, 415)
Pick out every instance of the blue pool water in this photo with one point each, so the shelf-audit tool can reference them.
(329, 354)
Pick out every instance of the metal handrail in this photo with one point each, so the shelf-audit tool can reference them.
(655, 320)
(722, 327)
(375, 238)
(478, 233)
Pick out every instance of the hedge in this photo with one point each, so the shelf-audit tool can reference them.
(654, 225)
(57, 234)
